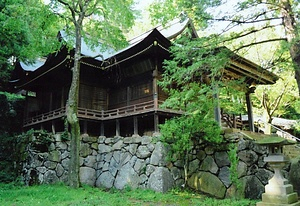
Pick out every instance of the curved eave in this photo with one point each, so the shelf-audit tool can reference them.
(256, 73)
(154, 39)
(53, 62)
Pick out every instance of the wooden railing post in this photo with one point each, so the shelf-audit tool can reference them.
(217, 110)
(155, 87)
(135, 126)
(117, 127)
(102, 128)
(234, 121)
(250, 113)
(155, 102)
(156, 123)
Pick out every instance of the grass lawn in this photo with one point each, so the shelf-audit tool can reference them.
(45, 195)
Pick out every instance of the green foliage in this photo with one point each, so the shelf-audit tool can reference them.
(63, 195)
(103, 21)
(164, 10)
(192, 78)
(8, 165)
(234, 161)
(296, 128)
(13, 151)
(36, 137)
(232, 97)
(28, 30)
(280, 99)
(251, 28)
(11, 109)
(65, 135)
(292, 110)
(179, 132)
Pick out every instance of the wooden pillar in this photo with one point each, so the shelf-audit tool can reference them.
(217, 110)
(85, 126)
(51, 101)
(234, 120)
(102, 129)
(135, 126)
(155, 87)
(26, 112)
(53, 126)
(62, 102)
(128, 96)
(250, 113)
(117, 128)
(156, 122)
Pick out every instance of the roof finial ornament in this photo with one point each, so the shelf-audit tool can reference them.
(183, 16)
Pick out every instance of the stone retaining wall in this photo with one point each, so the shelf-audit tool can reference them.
(210, 172)
(140, 162)
(292, 151)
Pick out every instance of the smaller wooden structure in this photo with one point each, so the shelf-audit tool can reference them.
(118, 93)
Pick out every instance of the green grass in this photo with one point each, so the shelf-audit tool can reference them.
(45, 195)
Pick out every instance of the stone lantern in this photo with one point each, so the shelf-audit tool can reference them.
(278, 191)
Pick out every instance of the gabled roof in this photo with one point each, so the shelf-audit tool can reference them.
(254, 73)
(170, 31)
(160, 36)
(33, 66)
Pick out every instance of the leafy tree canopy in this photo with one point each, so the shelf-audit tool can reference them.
(235, 20)
(28, 30)
(251, 23)
(103, 22)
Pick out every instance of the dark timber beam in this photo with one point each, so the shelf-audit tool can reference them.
(102, 129)
(156, 122)
(117, 128)
(53, 126)
(85, 126)
(217, 110)
(135, 126)
(250, 113)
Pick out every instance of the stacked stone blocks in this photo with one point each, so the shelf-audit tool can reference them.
(141, 162)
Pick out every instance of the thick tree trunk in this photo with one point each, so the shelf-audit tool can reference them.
(292, 37)
(72, 107)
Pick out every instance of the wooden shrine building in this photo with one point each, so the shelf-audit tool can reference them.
(118, 94)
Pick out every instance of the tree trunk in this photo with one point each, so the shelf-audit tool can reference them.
(72, 107)
(267, 123)
(290, 27)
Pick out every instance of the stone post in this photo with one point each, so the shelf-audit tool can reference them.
(278, 192)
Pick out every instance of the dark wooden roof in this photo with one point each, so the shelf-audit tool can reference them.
(153, 45)
(241, 67)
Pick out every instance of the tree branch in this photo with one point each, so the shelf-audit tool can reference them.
(277, 101)
(260, 42)
(93, 9)
(245, 21)
(265, 100)
(250, 32)
(72, 10)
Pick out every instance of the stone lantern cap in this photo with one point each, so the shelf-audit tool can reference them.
(275, 141)
(275, 144)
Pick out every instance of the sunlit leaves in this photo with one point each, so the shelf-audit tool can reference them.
(103, 21)
(164, 10)
(192, 78)
(28, 30)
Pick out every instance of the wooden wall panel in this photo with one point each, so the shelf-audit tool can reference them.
(92, 97)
